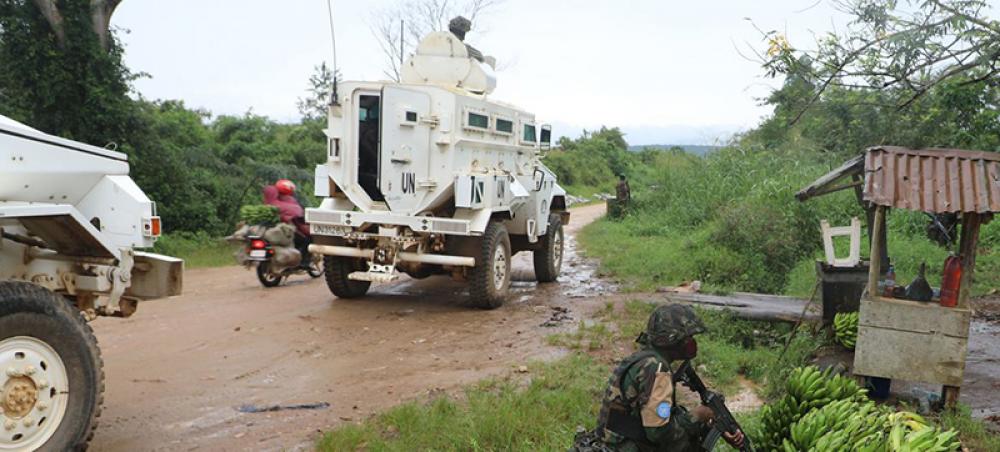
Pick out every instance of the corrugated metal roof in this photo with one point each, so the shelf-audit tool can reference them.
(933, 180)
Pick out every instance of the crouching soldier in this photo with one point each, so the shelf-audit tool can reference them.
(640, 411)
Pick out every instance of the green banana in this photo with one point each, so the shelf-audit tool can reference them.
(845, 327)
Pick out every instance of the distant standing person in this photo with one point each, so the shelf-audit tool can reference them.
(624, 192)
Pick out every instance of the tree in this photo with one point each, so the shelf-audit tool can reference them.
(61, 69)
(400, 27)
(100, 18)
(314, 106)
(901, 48)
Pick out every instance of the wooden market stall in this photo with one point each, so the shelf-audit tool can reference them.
(904, 339)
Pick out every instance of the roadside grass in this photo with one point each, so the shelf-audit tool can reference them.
(543, 411)
(497, 414)
(973, 432)
(197, 250)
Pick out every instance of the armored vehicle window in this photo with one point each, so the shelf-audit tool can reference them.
(546, 135)
(411, 116)
(479, 121)
(369, 136)
(529, 133)
(505, 125)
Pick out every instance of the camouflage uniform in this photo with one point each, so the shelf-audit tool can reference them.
(630, 390)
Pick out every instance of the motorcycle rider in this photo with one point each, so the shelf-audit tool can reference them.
(282, 196)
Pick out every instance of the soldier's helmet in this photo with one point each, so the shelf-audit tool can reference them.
(460, 26)
(670, 324)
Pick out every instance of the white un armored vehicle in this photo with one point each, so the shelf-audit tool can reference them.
(70, 221)
(429, 176)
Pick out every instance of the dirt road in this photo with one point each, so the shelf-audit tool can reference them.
(178, 372)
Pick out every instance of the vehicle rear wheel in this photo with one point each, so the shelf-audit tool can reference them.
(490, 278)
(52, 386)
(548, 258)
(266, 277)
(337, 269)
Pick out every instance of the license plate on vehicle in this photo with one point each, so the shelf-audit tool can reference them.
(326, 229)
(258, 253)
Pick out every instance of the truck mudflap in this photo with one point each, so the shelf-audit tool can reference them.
(155, 276)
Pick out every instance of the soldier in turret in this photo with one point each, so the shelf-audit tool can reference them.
(459, 26)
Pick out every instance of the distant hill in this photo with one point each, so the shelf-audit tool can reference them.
(696, 149)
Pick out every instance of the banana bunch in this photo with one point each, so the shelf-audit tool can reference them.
(806, 389)
(259, 214)
(845, 328)
(814, 388)
(859, 425)
(841, 425)
(908, 432)
(814, 424)
(776, 419)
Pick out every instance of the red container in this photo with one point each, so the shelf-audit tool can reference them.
(951, 281)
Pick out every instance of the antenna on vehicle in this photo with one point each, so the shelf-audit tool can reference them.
(333, 41)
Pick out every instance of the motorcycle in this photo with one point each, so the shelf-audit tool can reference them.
(277, 263)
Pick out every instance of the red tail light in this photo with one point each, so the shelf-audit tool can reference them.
(258, 244)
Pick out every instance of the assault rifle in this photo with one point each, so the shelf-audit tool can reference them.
(724, 422)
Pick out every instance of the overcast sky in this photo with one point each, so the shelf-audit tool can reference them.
(663, 71)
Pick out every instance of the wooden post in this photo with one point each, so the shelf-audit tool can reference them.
(967, 251)
(949, 395)
(877, 239)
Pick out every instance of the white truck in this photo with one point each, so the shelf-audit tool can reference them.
(71, 221)
(430, 176)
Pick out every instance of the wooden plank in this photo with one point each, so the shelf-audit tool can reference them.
(911, 356)
(751, 306)
(914, 316)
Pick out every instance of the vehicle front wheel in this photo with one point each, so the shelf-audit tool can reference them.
(337, 269)
(52, 384)
(548, 257)
(490, 278)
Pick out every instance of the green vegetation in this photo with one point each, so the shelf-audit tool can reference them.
(730, 218)
(543, 413)
(199, 168)
(591, 164)
(197, 249)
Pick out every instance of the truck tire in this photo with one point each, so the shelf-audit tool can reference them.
(264, 275)
(490, 278)
(56, 388)
(548, 258)
(337, 268)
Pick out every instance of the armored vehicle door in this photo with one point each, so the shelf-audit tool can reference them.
(406, 135)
